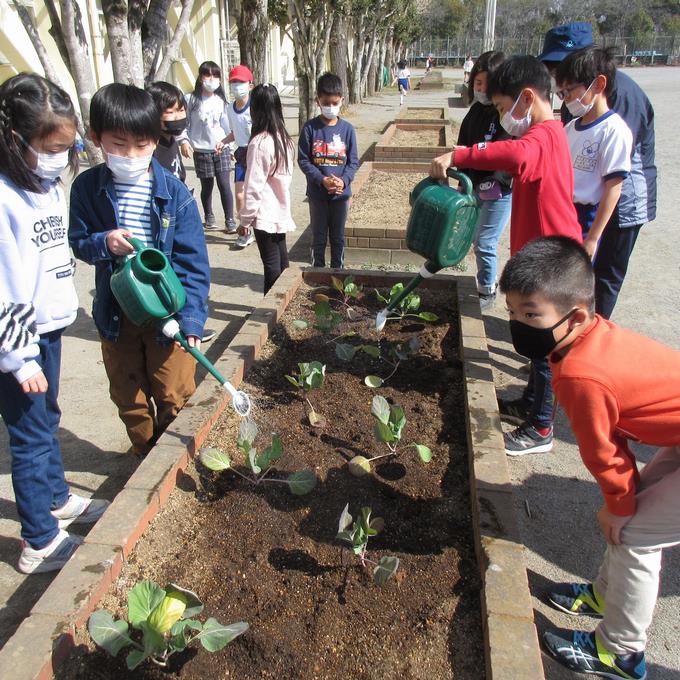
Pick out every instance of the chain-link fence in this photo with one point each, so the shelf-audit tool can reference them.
(655, 49)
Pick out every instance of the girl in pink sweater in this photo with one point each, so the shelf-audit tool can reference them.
(266, 202)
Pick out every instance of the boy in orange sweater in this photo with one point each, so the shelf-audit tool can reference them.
(550, 293)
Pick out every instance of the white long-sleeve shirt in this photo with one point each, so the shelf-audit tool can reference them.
(35, 266)
(207, 121)
(266, 202)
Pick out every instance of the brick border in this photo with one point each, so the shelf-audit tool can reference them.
(384, 152)
(45, 638)
(402, 114)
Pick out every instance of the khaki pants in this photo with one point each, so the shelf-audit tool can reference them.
(629, 575)
(148, 382)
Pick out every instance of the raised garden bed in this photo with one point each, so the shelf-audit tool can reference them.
(510, 644)
(431, 81)
(421, 114)
(395, 146)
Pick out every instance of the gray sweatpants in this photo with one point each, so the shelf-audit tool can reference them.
(629, 576)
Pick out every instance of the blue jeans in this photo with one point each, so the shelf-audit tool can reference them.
(32, 421)
(493, 217)
(328, 224)
(539, 395)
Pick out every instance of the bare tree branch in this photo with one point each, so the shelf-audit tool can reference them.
(172, 49)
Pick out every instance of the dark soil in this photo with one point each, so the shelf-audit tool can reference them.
(262, 555)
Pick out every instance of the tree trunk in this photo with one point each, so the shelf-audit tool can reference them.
(172, 49)
(253, 33)
(77, 47)
(338, 50)
(370, 79)
(356, 61)
(135, 19)
(56, 32)
(115, 16)
(154, 33)
(389, 52)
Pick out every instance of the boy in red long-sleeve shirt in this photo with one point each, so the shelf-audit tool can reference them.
(550, 293)
(542, 205)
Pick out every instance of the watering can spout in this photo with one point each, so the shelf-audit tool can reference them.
(240, 401)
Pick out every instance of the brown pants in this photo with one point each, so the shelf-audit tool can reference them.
(148, 382)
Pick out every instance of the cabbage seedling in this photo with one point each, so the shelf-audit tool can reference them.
(165, 619)
(299, 483)
(311, 377)
(387, 428)
(396, 353)
(349, 291)
(408, 307)
(326, 318)
(357, 534)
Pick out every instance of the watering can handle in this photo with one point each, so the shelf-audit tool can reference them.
(462, 178)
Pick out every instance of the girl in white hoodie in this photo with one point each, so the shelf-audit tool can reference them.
(37, 135)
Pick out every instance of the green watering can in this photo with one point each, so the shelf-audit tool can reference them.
(148, 291)
(441, 229)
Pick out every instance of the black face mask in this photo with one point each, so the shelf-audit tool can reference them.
(174, 127)
(535, 343)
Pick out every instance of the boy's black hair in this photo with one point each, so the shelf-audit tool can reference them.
(267, 115)
(329, 84)
(166, 95)
(487, 63)
(33, 107)
(207, 68)
(557, 267)
(516, 74)
(584, 65)
(401, 64)
(125, 108)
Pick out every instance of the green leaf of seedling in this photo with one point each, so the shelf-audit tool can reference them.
(300, 324)
(273, 452)
(424, 452)
(411, 303)
(345, 536)
(365, 519)
(371, 350)
(302, 482)
(134, 658)
(216, 636)
(380, 408)
(382, 432)
(380, 297)
(397, 420)
(181, 625)
(386, 568)
(428, 316)
(252, 461)
(194, 606)
(351, 289)
(337, 284)
(153, 641)
(320, 298)
(345, 520)
(142, 600)
(293, 381)
(345, 352)
(247, 431)
(377, 524)
(108, 634)
(373, 381)
(214, 459)
(396, 291)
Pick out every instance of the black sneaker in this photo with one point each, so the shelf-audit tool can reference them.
(514, 410)
(208, 334)
(576, 599)
(583, 652)
(526, 439)
(487, 301)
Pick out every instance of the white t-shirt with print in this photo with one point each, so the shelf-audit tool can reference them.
(599, 151)
(207, 121)
(403, 73)
(241, 123)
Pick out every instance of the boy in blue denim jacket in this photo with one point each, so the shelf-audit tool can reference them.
(150, 378)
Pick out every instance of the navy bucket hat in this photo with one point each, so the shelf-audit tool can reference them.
(562, 40)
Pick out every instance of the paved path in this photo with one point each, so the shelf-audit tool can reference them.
(561, 536)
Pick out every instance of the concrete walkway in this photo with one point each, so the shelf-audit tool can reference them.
(561, 534)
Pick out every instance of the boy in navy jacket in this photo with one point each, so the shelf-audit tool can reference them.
(133, 195)
(327, 154)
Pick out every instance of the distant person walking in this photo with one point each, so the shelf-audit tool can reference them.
(467, 69)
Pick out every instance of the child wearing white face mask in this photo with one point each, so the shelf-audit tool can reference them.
(240, 85)
(207, 127)
(599, 139)
(37, 302)
(150, 378)
(543, 184)
(327, 154)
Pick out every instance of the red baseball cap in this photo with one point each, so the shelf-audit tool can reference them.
(242, 73)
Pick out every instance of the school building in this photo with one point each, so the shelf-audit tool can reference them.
(211, 35)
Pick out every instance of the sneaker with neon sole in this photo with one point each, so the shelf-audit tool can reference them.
(50, 558)
(583, 652)
(577, 599)
(80, 510)
(245, 240)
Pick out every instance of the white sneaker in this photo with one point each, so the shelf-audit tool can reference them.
(79, 510)
(50, 558)
(245, 240)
